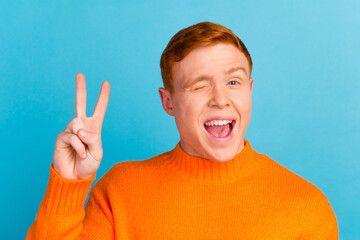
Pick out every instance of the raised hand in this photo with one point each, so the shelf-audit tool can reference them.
(78, 156)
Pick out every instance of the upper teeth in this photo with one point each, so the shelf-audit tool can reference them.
(217, 122)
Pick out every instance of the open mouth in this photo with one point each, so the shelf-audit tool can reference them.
(219, 128)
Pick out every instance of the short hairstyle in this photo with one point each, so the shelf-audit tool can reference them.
(187, 39)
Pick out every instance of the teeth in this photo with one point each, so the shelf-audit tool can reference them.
(217, 122)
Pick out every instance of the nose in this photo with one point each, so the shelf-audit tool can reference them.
(219, 98)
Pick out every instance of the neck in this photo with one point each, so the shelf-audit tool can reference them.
(200, 170)
(194, 153)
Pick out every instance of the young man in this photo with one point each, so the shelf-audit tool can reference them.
(212, 185)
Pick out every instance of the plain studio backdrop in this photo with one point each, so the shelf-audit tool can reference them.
(306, 97)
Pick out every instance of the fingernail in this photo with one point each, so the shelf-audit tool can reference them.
(84, 155)
(82, 133)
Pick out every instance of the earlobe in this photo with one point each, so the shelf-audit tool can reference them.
(165, 98)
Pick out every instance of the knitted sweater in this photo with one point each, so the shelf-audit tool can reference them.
(178, 196)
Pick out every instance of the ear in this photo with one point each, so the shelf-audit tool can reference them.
(165, 97)
(251, 85)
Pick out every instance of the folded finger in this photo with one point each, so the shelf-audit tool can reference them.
(93, 142)
(74, 126)
(75, 143)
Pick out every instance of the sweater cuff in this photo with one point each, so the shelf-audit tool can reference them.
(65, 196)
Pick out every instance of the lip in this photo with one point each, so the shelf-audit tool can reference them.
(225, 139)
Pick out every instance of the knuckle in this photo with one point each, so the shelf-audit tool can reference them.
(75, 124)
(60, 136)
(73, 139)
(95, 138)
(72, 122)
(77, 121)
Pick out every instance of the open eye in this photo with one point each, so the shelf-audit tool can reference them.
(233, 82)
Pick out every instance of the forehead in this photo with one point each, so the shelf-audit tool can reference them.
(209, 60)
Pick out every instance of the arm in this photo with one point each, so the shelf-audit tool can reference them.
(62, 216)
(77, 156)
(321, 220)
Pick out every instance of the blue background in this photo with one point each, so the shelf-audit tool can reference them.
(306, 111)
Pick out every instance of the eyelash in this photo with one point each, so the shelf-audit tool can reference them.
(233, 82)
(198, 88)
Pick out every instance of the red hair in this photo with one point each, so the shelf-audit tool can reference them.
(187, 39)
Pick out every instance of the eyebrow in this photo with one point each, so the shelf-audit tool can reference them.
(235, 69)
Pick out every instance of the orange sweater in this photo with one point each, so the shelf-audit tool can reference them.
(178, 196)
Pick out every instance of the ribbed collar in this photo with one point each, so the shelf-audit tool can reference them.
(209, 172)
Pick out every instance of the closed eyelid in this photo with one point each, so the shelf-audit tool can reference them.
(197, 83)
(200, 86)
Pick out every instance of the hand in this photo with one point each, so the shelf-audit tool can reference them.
(76, 156)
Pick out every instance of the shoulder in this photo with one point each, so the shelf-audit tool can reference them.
(129, 173)
(289, 180)
(309, 202)
(136, 167)
(288, 183)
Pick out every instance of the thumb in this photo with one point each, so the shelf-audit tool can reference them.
(93, 142)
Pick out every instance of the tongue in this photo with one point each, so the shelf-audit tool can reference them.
(219, 131)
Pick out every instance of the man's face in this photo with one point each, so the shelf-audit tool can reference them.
(211, 101)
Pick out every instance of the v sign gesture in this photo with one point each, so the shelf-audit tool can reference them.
(78, 150)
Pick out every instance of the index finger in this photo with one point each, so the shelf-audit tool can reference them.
(102, 102)
(80, 99)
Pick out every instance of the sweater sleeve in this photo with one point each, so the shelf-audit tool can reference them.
(321, 220)
(62, 214)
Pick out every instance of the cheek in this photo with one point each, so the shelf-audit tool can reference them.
(188, 113)
(182, 110)
(242, 104)
(246, 110)
(188, 106)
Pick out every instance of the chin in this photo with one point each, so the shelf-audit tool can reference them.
(221, 156)
(224, 152)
